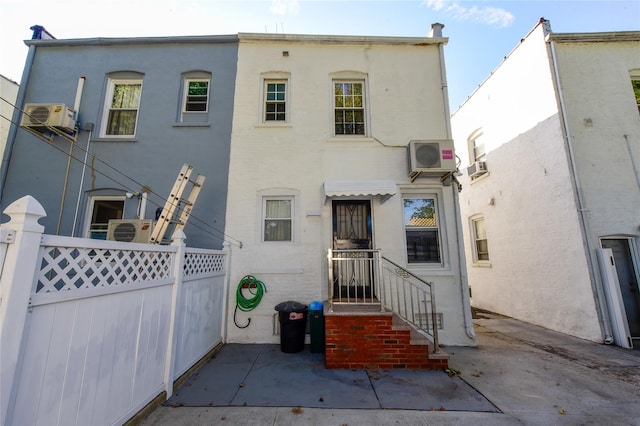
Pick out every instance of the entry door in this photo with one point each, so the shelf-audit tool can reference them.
(352, 225)
(627, 278)
(353, 277)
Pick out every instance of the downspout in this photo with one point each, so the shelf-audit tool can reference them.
(633, 160)
(89, 127)
(17, 113)
(76, 107)
(436, 31)
(601, 308)
(464, 285)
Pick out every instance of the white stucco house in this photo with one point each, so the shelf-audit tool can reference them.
(551, 146)
(322, 129)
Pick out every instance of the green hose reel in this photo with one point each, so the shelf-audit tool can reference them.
(256, 290)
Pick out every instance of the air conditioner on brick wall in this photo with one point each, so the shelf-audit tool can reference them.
(431, 157)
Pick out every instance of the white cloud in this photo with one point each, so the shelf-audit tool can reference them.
(494, 16)
(435, 4)
(284, 7)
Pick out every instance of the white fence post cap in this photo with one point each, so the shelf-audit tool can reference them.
(26, 212)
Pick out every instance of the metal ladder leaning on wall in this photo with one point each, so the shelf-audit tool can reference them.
(177, 210)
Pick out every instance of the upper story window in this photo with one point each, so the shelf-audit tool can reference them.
(275, 100)
(422, 230)
(277, 217)
(478, 152)
(349, 107)
(122, 105)
(635, 82)
(480, 246)
(196, 95)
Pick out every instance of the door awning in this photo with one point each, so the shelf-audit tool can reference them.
(385, 189)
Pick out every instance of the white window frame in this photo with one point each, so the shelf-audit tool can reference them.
(265, 199)
(113, 82)
(185, 97)
(474, 142)
(475, 238)
(91, 206)
(438, 228)
(364, 107)
(267, 101)
(635, 79)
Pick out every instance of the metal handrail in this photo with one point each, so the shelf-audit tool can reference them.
(367, 277)
(410, 297)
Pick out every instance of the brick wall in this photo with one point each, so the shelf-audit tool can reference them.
(374, 341)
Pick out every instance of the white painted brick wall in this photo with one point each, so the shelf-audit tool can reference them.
(404, 103)
(539, 268)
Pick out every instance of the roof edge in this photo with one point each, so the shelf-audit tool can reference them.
(232, 38)
(595, 37)
(109, 41)
(319, 38)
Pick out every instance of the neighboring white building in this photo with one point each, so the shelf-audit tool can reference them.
(319, 161)
(9, 93)
(558, 128)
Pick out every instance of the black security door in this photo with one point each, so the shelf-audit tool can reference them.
(352, 230)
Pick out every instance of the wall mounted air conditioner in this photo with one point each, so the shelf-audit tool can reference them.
(477, 169)
(435, 157)
(130, 230)
(41, 116)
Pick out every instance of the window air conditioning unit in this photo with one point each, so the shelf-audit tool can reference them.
(436, 157)
(130, 230)
(477, 169)
(41, 116)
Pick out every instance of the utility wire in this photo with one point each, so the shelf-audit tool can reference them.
(164, 200)
(126, 187)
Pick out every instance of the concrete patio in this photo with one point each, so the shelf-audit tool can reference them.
(518, 374)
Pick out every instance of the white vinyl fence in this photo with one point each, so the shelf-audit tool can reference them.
(92, 331)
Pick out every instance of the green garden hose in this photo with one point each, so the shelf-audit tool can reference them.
(256, 288)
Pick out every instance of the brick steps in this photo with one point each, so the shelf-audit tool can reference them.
(376, 340)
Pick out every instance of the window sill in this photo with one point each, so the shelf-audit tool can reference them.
(358, 139)
(103, 139)
(481, 264)
(429, 269)
(276, 125)
(191, 125)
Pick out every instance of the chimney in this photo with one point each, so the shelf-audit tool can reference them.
(436, 30)
(39, 33)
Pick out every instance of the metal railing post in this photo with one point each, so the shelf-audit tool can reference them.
(434, 315)
(330, 276)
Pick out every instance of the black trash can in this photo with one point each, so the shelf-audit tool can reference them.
(293, 324)
(316, 327)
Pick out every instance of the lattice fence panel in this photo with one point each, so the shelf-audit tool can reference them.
(203, 263)
(71, 268)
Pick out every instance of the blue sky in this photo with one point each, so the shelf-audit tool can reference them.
(480, 33)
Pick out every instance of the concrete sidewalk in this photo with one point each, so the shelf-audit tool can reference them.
(518, 374)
